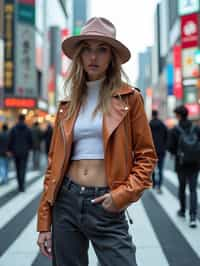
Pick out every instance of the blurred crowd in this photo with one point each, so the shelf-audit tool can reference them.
(17, 142)
(183, 144)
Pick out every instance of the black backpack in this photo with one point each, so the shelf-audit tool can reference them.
(188, 151)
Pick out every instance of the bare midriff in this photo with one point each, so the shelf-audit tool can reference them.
(88, 172)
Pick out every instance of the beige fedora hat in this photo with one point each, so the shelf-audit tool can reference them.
(97, 28)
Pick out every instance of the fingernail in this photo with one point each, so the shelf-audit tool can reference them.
(49, 250)
(92, 201)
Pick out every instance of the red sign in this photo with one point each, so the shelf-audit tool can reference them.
(19, 103)
(178, 88)
(29, 2)
(193, 109)
(51, 79)
(189, 30)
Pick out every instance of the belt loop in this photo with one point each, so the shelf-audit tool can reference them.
(69, 182)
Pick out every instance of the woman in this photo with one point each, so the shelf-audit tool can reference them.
(101, 155)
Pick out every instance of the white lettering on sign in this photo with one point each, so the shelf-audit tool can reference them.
(190, 28)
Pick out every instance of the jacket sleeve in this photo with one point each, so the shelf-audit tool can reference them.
(44, 210)
(144, 160)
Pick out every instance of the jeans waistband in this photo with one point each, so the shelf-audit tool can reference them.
(85, 190)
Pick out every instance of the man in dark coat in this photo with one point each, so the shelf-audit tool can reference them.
(20, 144)
(160, 135)
(47, 137)
(4, 138)
(37, 137)
(187, 173)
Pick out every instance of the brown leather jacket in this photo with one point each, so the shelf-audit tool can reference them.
(129, 152)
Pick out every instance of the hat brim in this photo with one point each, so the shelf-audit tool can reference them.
(69, 45)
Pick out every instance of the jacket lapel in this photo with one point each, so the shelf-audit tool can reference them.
(68, 124)
(111, 120)
(117, 111)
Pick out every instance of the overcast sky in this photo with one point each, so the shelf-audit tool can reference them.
(134, 22)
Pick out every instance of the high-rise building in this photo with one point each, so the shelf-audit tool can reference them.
(31, 66)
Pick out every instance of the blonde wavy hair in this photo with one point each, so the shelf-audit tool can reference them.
(76, 88)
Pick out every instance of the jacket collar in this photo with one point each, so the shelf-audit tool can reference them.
(117, 112)
(126, 89)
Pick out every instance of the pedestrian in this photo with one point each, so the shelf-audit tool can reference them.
(186, 161)
(160, 135)
(20, 144)
(36, 137)
(4, 155)
(92, 175)
(47, 135)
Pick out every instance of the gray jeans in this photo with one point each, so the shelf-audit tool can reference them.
(76, 221)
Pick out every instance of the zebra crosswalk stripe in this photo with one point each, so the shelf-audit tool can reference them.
(145, 238)
(191, 236)
(10, 209)
(13, 183)
(21, 250)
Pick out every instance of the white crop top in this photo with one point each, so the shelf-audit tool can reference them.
(87, 133)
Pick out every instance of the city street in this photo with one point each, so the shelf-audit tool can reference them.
(162, 238)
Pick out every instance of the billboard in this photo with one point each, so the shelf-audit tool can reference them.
(189, 31)
(9, 48)
(190, 68)
(178, 88)
(1, 18)
(1, 62)
(188, 6)
(193, 109)
(170, 78)
(1, 72)
(25, 62)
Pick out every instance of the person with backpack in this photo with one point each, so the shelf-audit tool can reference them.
(184, 143)
(160, 135)
(20, 144)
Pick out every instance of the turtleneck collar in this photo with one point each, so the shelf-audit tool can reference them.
(94, 83)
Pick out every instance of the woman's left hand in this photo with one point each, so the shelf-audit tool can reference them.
(107, 202)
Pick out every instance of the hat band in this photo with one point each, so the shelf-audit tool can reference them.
(97, 33)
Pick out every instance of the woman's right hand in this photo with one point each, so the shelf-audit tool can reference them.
(45, 243)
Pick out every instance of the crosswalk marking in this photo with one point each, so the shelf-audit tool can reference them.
(170, 204)
(10, 209)
(143, 228)
(172, 177)
(13, 182)
(23, 250)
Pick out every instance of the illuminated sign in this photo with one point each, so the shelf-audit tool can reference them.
(177, 84)
(19, 103)
(9, 46)
(25, 71)
(193, 109)
(1, 18)
(28, 2)
(1, 62)
(26, 11)
(190, 68)
(188, 6)
(189, 31)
